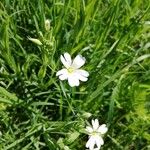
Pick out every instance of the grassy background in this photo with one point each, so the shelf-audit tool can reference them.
(39, 112)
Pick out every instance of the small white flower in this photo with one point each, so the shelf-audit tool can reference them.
(95, 135)
(36, 41)
(72, 71)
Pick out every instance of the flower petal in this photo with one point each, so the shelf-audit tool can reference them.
(63, 77)
(78, 62)
(62, 71)
(90, 143)
(99, 141)
(91, 147)
(97, 148)
(73, 80)
(89, 129)
(103, 129)
(66, 60)
(81, 76)
(63, 74)
(95, 124)
(83, 72)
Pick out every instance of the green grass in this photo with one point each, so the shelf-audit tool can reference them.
(39, 112)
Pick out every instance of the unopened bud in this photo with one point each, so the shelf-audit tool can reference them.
(36, 41)
(47, 24)
(66, 148)
(87, 115)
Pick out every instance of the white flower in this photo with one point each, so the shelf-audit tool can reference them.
(36, 41)
(95, 135)
(72, 71)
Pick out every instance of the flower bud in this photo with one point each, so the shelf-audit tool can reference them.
(47, 24)
(66, 148)
(87, 115)
(36, 41)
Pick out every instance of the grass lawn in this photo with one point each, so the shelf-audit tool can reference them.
(39, 110)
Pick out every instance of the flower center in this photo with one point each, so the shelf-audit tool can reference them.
(70, 70)
(94, 133)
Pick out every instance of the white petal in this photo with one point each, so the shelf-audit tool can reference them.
(73, 80)
(103, 129)
(89, 129)
(78, 62)
(91, 147)
(62, 71)
(80, 76)
(63, 74)
(82, 72)
(66, 60)
(63, 77)
(90, 143)
(99, 141)
(95, 124)
(97, 148)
